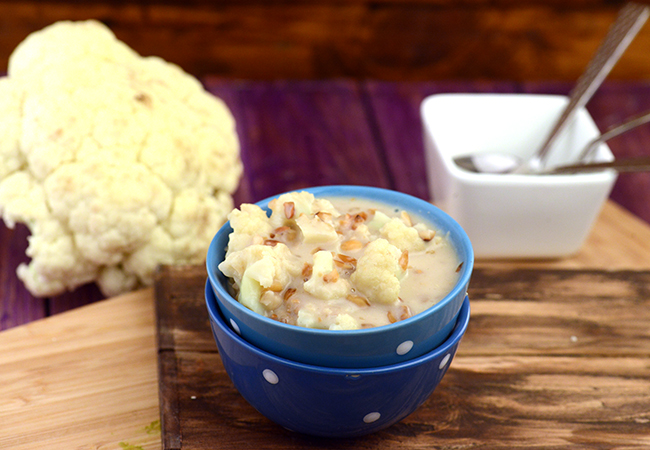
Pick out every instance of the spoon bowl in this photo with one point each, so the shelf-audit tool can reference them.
(502, 163)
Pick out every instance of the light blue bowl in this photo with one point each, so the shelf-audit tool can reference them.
(369, 347)
(331, 402)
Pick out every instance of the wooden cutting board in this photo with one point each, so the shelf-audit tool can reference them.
(551, 359)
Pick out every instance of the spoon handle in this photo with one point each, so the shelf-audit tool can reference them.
(639, 164)
(628, 125)
(628, 23)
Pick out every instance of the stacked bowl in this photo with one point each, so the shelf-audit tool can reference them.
(340, 383)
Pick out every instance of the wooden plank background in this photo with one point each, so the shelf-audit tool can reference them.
(381, 39)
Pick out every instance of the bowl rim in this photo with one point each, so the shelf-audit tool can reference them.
(482, 179)
(370, 193)
(446, 347)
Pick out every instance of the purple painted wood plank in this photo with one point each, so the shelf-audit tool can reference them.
(230, 92)
(395, 109)
(83, 295)
(17, 305)
(614, 102)
(305, 133)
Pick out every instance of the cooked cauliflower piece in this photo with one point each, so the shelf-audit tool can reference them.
(325, 282)
(378, 272)
(129, 156)
(247, 222)
(260, 267)
(344, 322)
(401, 235)
(316, 231)
(293, 204)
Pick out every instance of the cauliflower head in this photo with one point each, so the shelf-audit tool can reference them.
(116, 162)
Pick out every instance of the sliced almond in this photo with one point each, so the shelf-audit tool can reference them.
(345, 265)
(351, 245)
(406, 218)
(404, 260)
(391, 317)
(324, 216)
(406, 313)
(289, 209)
(358, 300)
(289, 293)
(331, 277)
(426, 235)
(271, 242)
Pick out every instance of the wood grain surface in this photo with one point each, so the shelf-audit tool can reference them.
(83, 379)
(553, 359)
(386, 39)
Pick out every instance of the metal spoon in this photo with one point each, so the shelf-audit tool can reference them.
(505, 163)
(639, 164)
(628, 23)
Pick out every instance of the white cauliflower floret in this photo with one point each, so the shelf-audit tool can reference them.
(259, 267)
(402, 236)
(378, 272)
(132, 159)
(302, 202)
(325, 282)
(247, 222)
(344, 322)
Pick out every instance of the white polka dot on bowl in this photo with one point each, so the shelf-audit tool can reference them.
(270, 376)
(234, 326)
(404, 348)
(444, 361)
(371, 417)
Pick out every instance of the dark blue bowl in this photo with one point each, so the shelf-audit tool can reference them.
(369, 347)
(330, 402)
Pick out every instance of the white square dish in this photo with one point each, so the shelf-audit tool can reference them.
(513, 215)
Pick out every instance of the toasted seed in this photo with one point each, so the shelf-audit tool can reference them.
(271, 242)
(406, 218)
(346, 258)
(307, 270)
(351, 245)
(324, 216)
(404, 260)
(287, 233)
(345, 265)
(331, 277)
(358, 300)
(426, 235)
(391, 317)
(361, 217)
(460, 266)
(406, 313)
(289, 209)
(289, 293)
